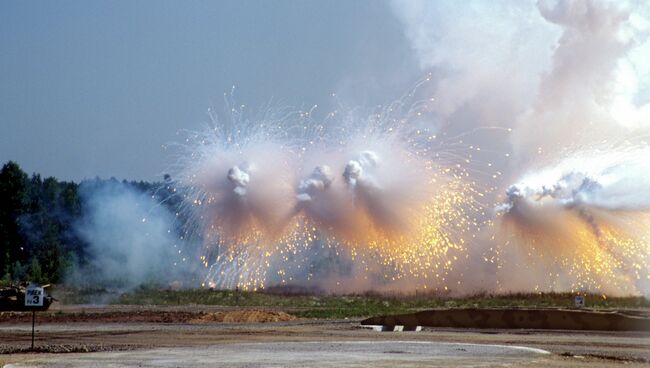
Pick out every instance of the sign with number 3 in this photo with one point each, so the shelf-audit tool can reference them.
(34, 296)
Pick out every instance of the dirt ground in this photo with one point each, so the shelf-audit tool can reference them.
(118, 336)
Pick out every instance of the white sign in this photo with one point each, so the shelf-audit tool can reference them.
(579, 301)
(34, 296)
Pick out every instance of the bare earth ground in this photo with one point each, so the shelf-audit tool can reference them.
(150, 336)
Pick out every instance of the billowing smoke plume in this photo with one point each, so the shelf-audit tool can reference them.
(521, 153)
(571, 79)
(131, 239)
(560, 73)
(613, 180)
(591, 214)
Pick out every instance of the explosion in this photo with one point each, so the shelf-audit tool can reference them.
(583, 224)
(339, 206)
(517, 167)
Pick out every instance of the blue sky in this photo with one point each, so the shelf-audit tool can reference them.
(95, 88)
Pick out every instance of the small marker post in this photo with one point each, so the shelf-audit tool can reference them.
(33, 300)
(579, 301)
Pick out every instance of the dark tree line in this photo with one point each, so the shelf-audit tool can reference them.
(38, 240)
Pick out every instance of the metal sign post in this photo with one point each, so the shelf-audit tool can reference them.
(34, 295)
(33, 323)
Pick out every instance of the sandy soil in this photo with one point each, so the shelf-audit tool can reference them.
(106, 340)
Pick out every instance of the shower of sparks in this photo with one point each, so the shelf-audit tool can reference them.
(581, 225)
(573, 257)
(383, 203)
(425, 255)
(410, 219)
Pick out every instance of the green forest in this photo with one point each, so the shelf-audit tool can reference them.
(38, 219)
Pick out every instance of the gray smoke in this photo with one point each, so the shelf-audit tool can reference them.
(319, 180)
(359, 170)
(131, 239)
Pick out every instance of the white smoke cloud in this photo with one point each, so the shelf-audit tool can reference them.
(586, 80)
(560, 73)
(572, 80)
(358, 170)
(319, 180)
(485, 57)
(240, 178)
(614, 180)
(131, 239)
(565, 76)
(592, 91)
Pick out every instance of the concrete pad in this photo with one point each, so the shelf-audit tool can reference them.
(306, 354)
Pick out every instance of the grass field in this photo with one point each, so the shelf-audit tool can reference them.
(340, 306)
